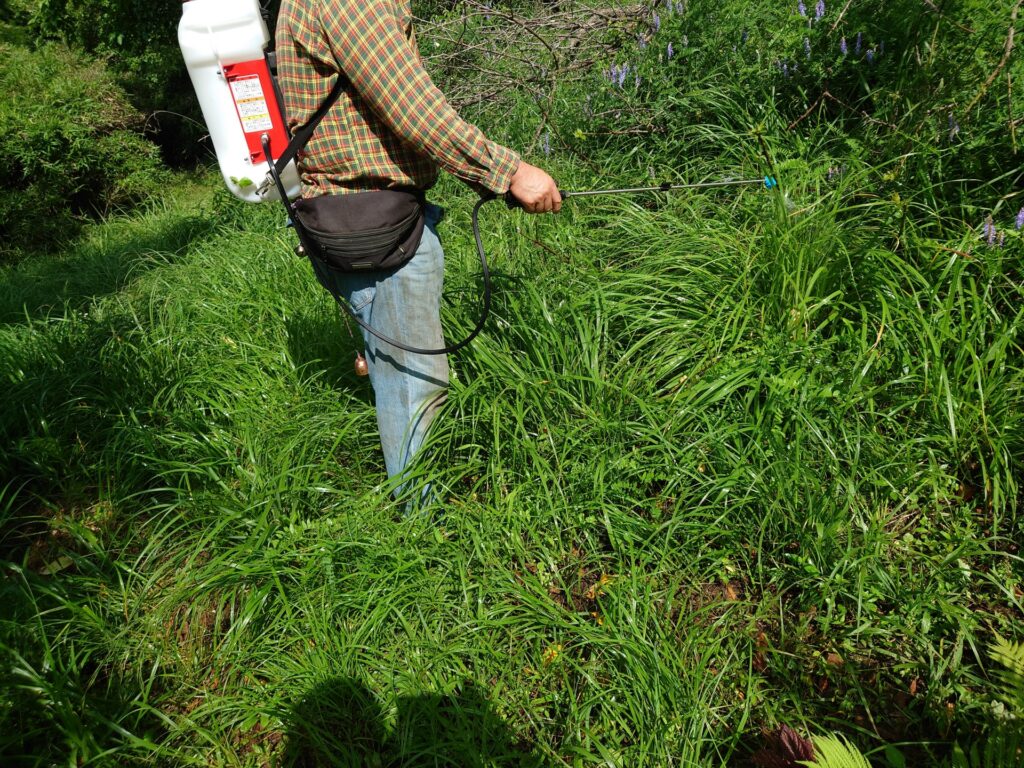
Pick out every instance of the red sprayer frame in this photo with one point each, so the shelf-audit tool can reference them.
(256, 105)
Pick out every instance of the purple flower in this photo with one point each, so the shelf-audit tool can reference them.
(807, 47)
(842, 46)
(1020, 219)
(668, 5)
(819, 10)
(622, 75)
(954, 126)
(785, 70)
(988, 231)
(641, 42)
(679, 6)
(547, 142)
(870, 56)
(657, 23)
(801, 8)
(856, 46)
(668, 52)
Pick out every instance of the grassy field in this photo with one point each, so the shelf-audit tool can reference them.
(721, 461)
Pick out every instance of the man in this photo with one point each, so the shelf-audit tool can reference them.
(390, 129)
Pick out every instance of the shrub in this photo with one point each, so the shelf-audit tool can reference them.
(140, 43)
(71, 145)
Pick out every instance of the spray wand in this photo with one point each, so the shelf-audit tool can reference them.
(768, 181)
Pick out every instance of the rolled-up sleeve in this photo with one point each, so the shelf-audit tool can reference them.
(373, 52)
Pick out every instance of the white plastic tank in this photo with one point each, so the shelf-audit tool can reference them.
(223, 43)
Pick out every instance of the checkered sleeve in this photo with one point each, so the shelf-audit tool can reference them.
(373, 51)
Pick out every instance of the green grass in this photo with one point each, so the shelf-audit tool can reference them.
(720, 461)
(701, 474)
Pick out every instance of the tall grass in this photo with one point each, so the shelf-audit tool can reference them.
(720, 461)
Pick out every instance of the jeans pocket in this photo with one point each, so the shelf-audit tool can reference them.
(361, 299)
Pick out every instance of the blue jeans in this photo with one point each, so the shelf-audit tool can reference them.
(405, 304)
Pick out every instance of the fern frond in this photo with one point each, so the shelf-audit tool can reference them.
(836, 752)
(1011, 679)
(1002, 749)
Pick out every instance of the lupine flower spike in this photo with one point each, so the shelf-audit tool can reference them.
(801, 8)
(857, 45)
(1020, 219)
(807, 47)
(870, 56)
(657, 23)
(819, 10)
(842, 46)
(668, 52)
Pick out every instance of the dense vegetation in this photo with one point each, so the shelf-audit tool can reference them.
(728, 467)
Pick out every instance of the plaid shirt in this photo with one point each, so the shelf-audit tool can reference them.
(391, 127)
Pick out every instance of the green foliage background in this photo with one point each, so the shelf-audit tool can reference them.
(72, 146)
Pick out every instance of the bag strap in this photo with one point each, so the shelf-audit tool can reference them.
(302, 136)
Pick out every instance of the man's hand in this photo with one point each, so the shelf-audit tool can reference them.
(535, 190)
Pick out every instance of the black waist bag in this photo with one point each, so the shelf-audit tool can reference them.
(363, 231)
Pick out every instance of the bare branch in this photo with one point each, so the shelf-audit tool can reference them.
(533, 55)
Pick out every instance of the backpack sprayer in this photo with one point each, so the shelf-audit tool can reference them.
(224, 44)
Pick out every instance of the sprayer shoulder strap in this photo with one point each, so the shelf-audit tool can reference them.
(302, 136)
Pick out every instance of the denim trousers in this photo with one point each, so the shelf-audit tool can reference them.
(404, 304)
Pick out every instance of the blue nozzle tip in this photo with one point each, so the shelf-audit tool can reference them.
(770, 182)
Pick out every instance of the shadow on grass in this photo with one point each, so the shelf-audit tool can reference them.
(341, 723)
(98, 265)
(59, 708)
(321, 348)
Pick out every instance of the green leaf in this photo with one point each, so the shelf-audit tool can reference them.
(894, 757)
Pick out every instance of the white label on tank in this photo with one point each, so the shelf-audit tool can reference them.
(252, 105)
